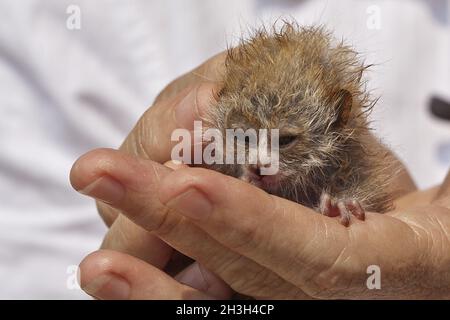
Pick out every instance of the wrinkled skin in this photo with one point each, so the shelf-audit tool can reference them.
(259, 245)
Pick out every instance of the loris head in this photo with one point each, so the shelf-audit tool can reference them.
(299, 81)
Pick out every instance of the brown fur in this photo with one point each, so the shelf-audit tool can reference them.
(303, 82)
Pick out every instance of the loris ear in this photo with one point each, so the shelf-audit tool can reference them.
(343, 107)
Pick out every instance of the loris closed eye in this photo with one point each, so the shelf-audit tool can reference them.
(286, 141)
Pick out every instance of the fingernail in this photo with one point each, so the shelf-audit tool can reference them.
(185, 111)
(192, 204)
(108, 287)
(105, 189)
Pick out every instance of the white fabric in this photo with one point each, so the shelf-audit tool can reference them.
(64, 92)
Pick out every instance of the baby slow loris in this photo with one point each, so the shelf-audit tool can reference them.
(302, 82)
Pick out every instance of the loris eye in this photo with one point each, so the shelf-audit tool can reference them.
(286, 140)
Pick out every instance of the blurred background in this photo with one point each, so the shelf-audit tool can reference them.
(76, 75)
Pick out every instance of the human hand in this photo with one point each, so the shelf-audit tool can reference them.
(127, 236)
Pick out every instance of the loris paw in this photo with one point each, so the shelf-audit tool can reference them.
(345, 208)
